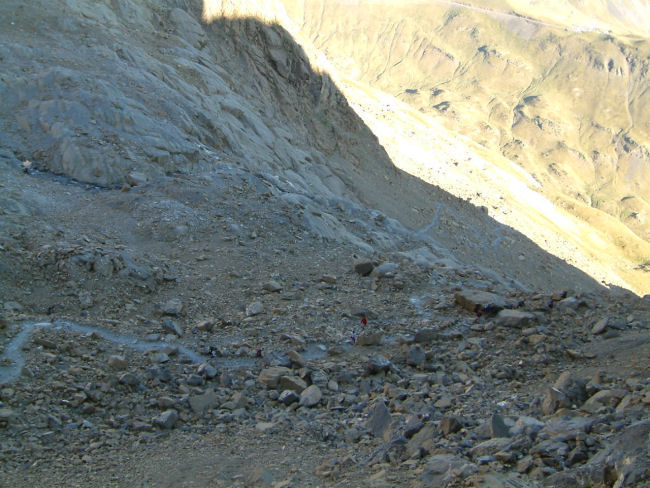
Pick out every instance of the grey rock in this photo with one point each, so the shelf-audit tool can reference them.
(603, 398)
(450, 424)
(377, 363)
(319, 378)
(270, 377)
(7, 416)
(384, 270)
(311, 396)
(447, 469)
(255, 308)
(515, 318)
(293, 383)
(117, 363)
(173, 307)
(528, 426)
(425, 336)
(170, 326)
(288, 397)
(477, 300)
(600, 326)
(379, 419)
(203, 402)
(416, 356)
(207, 370)
(167, 419)
(272, 286)
(195, 380)
(129, 379)
(421, 443)
(490, 447)
(363, 266)
(370, 338)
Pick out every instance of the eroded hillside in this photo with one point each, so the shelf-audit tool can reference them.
(570, 107)
(212, 274)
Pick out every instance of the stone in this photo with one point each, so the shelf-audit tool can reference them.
(288, 397)
(264, 426)
(476, 301)
(167, 419)
(514, 318)
(443, 403)
(426, 336)
(319, 378)
(422, 442)
(272, 286)
(270, 377)
(238, 401)
(195, 380)
(158, 357)
(170, 326)
(328, 278)
(117, 363)
(416, 356)
(384, 270)
(363, 266)
(7, 416)
(203, 402)
(528, 426)
(129, 379)
(207, 370)
(379, 419)
(172, 307)
(377, 363)
(370, 338)
(255, 308)
(450, 424)
(572, 386)
(600, 326)
(166, 402)
(294, 383)
(447, 469)
(413, 426)
(490, 447)
(608, 398)
(311, 396)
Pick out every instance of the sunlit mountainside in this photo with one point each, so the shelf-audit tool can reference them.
(552, 88)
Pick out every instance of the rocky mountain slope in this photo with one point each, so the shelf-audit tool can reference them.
(211, 274)
(569, 106)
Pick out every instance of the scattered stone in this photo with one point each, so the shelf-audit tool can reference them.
(117, 363)
(270, 377)
(292, 383)
(311, 396)
(167, 419)
(604, 398)
(379, 419)
(170, 326)
(363, 266)
(327, 278)
(207, 370)
(447, 469)
(7, 416)
(129, 379)
(479, 301)
(422, 442)
(425, 336)
(203, 402)
(416, 356)
(490, 447)
(450, 424)
(272, 286)
(173, 307)
(515, 318)
(600, 326)
(264, 426)
(370, 338)
(377, 363)
(255, 308)
(158, 357)
(288, 397)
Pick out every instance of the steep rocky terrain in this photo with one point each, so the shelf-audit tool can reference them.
(568, 105)
(211, 274)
